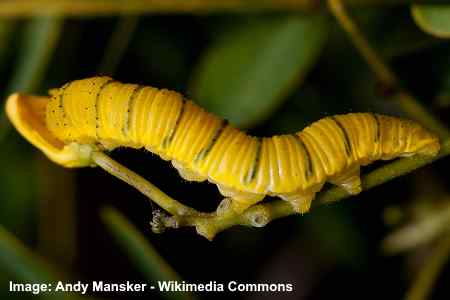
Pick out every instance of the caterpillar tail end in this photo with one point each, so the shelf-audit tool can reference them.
(27, 114)
(432, 149)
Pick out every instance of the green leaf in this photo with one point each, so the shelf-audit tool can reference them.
(433, 19)
(145, 258)
(247, 73)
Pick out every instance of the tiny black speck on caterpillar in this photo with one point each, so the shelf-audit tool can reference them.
(100, 112)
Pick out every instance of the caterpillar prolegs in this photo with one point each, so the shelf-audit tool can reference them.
(101, 112)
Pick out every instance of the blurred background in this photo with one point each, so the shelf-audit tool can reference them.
(269, 70)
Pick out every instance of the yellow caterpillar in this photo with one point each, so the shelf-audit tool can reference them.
(100, 112)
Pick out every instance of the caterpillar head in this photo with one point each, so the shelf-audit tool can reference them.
(27, 114)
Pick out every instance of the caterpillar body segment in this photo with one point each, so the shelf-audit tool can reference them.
(201, 146)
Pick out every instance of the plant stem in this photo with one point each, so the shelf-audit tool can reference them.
(16, 8)
(384, 74)
(152, 192)
(381, 70)
(427, 276)
(209, 224)
(279, 209)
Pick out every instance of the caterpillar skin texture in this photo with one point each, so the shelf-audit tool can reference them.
(105, 112)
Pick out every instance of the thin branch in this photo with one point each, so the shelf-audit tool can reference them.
(384, 74)
(209, 224)
(423, 284)
(17, 8)
(152, 192)
(260, 215)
